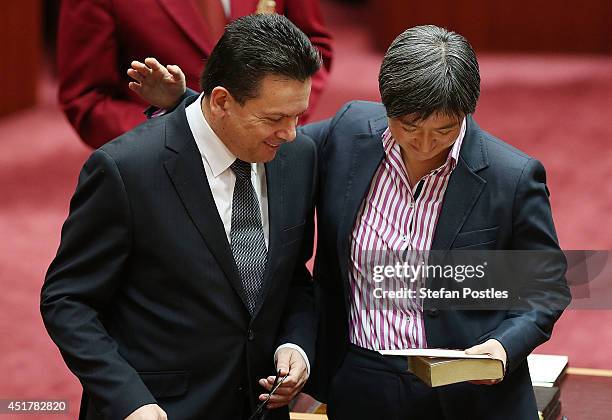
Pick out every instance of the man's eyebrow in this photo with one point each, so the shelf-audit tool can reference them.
(281, 114)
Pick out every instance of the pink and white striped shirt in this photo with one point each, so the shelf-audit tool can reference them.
(389, 224)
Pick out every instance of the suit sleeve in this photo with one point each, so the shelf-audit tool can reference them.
(89, 79)
(81, 283)
(545, 293)
(151, 111)
(320, 131)
(306, 15)
(299, 324)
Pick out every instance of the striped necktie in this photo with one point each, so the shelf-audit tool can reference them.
(246, 234)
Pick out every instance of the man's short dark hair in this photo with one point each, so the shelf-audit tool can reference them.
(253, 47)
(429, 70)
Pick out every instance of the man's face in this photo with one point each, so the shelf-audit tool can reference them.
(428, 140)
(254, 131)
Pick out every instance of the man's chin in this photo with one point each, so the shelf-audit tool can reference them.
(268, 154)
(270, 157)
(262, 158)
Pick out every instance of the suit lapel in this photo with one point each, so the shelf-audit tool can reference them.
(188, 18)
(186, 171)
(367, 153)
(464, 188)
(276, 204)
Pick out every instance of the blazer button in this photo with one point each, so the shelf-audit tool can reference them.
(251, 335)
(432, 312)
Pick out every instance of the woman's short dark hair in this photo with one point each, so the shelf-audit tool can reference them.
(429, 70)
(253, 47)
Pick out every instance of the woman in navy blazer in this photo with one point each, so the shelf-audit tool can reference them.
(496, 199)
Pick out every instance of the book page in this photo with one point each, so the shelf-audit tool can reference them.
(546, 368)
(457, 354)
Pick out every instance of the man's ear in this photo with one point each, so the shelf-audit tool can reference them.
(220, 101)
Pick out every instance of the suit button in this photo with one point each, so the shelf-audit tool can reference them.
(432, 312)
(240, 389)
(251, 335)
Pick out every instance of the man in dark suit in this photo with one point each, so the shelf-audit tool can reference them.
(416, 173)
(179, 286)
(98, 39)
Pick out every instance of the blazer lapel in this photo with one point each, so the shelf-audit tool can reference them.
(366, 156)
(186, 171)
(464, 188)
(188, 18)
(276, 204)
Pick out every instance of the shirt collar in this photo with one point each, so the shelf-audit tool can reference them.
(453, 156)
(212, 149)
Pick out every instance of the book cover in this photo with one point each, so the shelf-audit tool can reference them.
(438, 367)
(439, 371)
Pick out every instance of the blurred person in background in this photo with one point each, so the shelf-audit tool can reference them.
(98, 39)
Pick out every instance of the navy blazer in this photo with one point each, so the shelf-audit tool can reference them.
(144, 298)
(496, 199)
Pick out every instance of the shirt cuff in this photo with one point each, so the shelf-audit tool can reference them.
(299, 350)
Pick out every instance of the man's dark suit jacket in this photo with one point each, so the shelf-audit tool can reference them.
(144, 299)
(496, 199)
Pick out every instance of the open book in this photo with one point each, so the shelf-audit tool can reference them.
(437, 367)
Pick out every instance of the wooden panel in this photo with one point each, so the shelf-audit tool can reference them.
(520, 25)
(20, 49)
